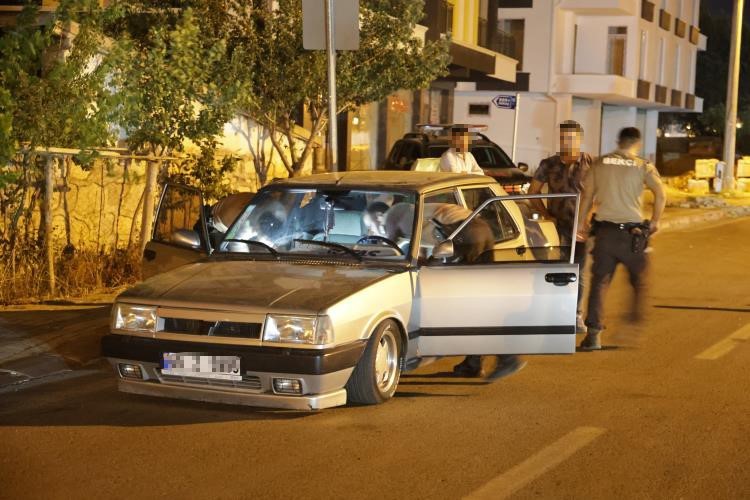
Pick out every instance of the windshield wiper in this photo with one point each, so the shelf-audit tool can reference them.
(328, 244)
(253, 242)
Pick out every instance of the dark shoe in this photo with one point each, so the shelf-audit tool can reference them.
(507, 364)
(591, 342)
(471, 366)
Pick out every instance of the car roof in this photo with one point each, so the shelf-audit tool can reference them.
(385, 179)
(431, 140)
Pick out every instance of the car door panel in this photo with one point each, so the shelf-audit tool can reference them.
(499, 305)
(179, 236)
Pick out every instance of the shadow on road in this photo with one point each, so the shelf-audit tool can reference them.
(94, 401)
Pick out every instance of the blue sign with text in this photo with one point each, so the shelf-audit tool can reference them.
(505, 101)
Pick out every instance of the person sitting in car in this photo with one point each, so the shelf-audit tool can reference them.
(458, 158)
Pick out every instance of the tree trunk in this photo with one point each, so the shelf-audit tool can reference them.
(49, 176)
(149, 194)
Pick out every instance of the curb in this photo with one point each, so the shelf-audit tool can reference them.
(710, 216)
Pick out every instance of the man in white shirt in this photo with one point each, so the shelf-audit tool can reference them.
(459, 159)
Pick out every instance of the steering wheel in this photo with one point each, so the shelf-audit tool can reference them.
(380, 239)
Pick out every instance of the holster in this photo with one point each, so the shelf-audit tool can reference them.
(640, 235)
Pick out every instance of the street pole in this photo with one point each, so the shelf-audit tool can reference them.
(515, 128)
(332, 125)
(730, 132)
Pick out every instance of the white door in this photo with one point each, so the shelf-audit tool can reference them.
(500, 304)
(180, 235)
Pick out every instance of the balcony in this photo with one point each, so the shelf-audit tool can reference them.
(498, 41)
(680, 28)
(676, 99)
(665, 20)
(647, 10)
(695, 35)
(644, 90)
(661, 94)
(601, 7)
(689, 101)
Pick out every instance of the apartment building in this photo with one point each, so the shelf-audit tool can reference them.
(606, 63)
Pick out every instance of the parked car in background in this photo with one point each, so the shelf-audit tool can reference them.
(431, 141)
(326, 288)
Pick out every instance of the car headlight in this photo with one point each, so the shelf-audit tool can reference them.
(134, 318)
(298, 329)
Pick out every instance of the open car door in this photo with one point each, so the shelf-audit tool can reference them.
(180, 233)
(513, 299)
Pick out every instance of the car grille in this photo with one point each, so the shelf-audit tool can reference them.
(248, 381)
(214, 328)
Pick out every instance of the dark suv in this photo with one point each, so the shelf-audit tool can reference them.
(490, 157)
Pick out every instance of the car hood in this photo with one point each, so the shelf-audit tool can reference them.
(255, 286)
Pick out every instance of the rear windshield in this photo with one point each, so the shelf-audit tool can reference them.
(486, 156)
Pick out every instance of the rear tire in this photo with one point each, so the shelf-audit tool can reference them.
(376, 376)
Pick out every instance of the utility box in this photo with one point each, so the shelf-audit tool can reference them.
(705, 168)
(743, 167)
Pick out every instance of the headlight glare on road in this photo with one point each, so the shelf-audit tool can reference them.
(134, 318)
(298, 329)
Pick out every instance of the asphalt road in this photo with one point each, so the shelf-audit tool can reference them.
(663, 413)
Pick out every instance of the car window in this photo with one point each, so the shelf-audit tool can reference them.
(370, 223)
(495, 215)
(395, 152)
(179, 217)
(489, 156)
(433, 231)
(410, 151)
(437, 150)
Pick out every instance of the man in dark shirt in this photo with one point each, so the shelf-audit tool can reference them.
(564, 173)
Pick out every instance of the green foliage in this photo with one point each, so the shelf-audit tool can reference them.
(174, 84)
(286, 76)
(205, 171)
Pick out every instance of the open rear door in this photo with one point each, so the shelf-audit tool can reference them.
(517, 298)
(180, 234)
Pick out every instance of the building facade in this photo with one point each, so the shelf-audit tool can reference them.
(607, 64)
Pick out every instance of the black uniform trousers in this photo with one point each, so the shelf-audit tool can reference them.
(613, 246)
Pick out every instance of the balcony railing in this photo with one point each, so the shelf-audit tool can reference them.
(676, 99)
(661, 94)
(689, 101)
(647, 10)
(644, 89)
(499, 41)
(680, 28)
(695, 34)
(665, 20)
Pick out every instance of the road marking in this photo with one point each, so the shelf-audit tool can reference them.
(548, 458)
(726, 345)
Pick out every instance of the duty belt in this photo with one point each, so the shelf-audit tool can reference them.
(622, 226)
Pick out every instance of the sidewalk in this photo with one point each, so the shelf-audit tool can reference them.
(44, 340)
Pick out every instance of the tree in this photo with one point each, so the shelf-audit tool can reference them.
(175, 82)
(286, 77)
(52, 94)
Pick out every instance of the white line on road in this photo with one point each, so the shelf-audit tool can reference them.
(548, 458)
(725, 345)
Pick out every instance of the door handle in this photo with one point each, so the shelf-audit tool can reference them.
(560, 279)
(149, 254)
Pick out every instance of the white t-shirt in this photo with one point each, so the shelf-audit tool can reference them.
(460, 163)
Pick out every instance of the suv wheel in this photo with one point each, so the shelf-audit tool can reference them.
(378, 371)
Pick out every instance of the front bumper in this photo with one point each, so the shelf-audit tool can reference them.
(323, 373)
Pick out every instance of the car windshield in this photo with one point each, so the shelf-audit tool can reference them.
(356, 224)
(486, 156)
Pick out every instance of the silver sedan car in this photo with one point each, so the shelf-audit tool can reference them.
(326, 288)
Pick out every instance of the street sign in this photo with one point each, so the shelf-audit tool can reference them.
(345, 24)
(505, 101)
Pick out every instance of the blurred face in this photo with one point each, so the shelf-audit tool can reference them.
(460, 141)
(570, 144)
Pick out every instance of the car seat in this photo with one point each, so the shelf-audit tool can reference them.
(347, 227)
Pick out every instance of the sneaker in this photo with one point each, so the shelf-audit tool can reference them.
(591, 342)
(507, 364)
(471, 366)
(580, 325)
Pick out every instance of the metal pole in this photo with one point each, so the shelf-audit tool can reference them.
(49, 188)
(332, 125)
(730, 132)
(515, 128)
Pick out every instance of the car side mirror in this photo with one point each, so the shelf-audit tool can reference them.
(444, 250)
(186, 238)
(523, 167)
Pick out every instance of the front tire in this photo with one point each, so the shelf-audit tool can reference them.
(376, 376)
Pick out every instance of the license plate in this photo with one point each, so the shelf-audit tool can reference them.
(197, 365)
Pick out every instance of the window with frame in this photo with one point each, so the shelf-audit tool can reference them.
(495, 214)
